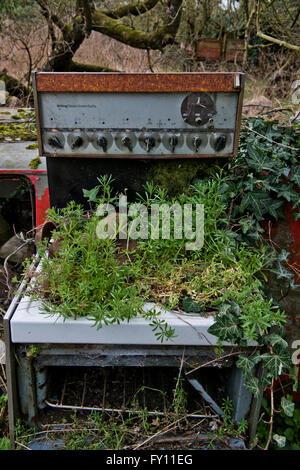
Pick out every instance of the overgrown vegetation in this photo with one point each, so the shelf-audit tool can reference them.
(227, 278)
(280, 406)
(136, 428)
(109, 283)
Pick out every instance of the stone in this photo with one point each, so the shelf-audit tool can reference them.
(11, 245)
(256, 105)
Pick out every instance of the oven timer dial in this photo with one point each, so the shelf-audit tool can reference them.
(198, 108)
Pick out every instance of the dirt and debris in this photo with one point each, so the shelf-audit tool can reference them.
(138, 403)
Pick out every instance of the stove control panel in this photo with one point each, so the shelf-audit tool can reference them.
(138, 115)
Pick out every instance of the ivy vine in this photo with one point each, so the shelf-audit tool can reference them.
(264, 176)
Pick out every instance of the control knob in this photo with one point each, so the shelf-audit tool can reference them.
(126, 141)
(173, 141)
(55, 142)
(77, 142)
(149, 142)
(220, 142)
(102, 142)
(196, 143)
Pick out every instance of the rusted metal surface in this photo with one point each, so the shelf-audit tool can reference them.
(37, 111)
(238, 116)
(209, 49)
(218, 49)
(234, 50)
(135, 82)
(44, 231)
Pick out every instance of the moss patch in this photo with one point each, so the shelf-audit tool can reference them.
(176, 176)
(35, 162)
(19, 130)
(32, 147)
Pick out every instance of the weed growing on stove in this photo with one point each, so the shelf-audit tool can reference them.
(101, 431)
(228, 428)
(180, 397)
(109, 283)
(93, 277)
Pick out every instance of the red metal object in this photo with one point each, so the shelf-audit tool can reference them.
(209, 49)
(42, 202)
(234, 50)
(217, 49)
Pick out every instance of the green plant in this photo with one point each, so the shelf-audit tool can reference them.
(286, 431)
(106, 432)
(34, 351)
(266, 175)
(179, 397)
(228, 427)
(95, 283)
(4, 443)
(3, 407)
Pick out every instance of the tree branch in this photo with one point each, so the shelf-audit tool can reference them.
(134, 9)
(88, 16)
(262, 35)
(49, 16)
(80, 67)
(136, 38)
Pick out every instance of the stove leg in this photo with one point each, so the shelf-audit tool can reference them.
(41, 386)
(27, 388)
(10, 370)
(241, 397)
(256, 407)
(244, 402)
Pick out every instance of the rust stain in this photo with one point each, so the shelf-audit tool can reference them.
(135, 82)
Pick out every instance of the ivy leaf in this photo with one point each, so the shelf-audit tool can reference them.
(286, 171)
(295, 175)
(235, 308)
(282, 273)
(288, 406)
(286, 192)
(247, 363)
(224, 309)
(258, 159)
(260, 203)
(297, 216)
(91, 194)
(189, 305)
(281, 440)
(276, 340)
(293, 285)
(252, 386)
(226, 328)
(283, 256)
(275, 363)
(289, 434)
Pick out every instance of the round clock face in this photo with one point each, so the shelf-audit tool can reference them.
(198, 108)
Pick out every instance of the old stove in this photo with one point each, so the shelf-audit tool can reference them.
(91, 124)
